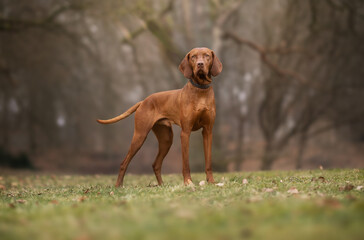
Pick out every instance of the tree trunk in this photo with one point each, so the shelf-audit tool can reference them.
(217, 47)
(31, 121)
(187, 23)
(239, 157)
(32, 144)
(269, 156)
(5, 122)
(301, 149)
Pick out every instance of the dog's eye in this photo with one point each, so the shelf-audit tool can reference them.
(207, 56)
(193, 57)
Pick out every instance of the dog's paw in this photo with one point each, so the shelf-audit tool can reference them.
(211, 180)
(189, 183)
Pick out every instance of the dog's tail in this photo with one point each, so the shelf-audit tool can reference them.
(121, 116)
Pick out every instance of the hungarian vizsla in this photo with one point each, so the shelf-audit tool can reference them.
(191, 108)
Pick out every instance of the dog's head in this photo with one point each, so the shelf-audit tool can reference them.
(200, 64)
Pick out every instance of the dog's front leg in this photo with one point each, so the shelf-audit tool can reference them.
(185, 141)
(207, 145)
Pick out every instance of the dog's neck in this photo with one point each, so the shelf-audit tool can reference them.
(200, 86)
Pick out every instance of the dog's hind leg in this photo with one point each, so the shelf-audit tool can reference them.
(141, 130)
(163, 132)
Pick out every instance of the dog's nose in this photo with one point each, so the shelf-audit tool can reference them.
(200, 64)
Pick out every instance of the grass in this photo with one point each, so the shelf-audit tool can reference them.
(329, 205)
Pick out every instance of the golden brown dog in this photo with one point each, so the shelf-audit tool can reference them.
(191, 108)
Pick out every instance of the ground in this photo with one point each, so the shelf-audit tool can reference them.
(319, 204)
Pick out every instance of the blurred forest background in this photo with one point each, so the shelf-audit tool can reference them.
(291, 94)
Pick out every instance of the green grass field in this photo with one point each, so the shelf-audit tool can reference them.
(317, 204)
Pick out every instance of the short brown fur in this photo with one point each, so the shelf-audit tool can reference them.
(191, 108)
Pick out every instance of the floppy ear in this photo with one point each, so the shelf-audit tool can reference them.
(216, 67)
(185, 67)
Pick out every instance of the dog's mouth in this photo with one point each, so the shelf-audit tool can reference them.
(201, 73)
(202, 77)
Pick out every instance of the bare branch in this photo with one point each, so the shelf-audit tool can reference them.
(263, 56)
(10, 25)
(354, 120)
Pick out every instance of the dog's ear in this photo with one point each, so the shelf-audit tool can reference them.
(216, 67)
(185, 67)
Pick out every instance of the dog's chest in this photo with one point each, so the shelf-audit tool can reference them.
(201, 105)
(197, 101)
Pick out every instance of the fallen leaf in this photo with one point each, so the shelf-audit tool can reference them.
(11, 205)
(245, 181)
(281, 181)
(293, 190)
(152, 184)
(22, 201)
(87, 190)
(54, 202)
(348, 187)
(330, 202)
(2, 187)
(359, 188)
(268, 190)
(82, 199)
(321, 167)
(322, 179)
(202, 183)
(219, 184)
(111, 193)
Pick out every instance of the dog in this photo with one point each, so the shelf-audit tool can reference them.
(191, 108)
